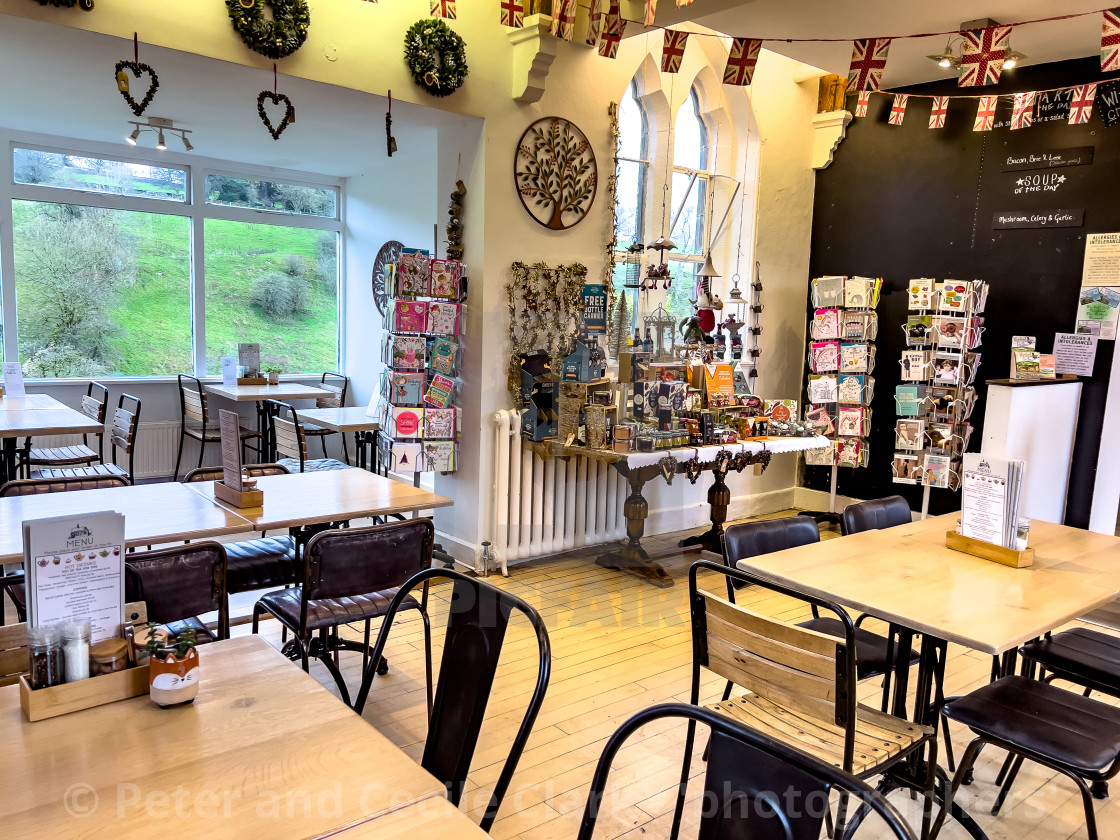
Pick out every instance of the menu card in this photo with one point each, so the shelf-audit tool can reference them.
(75, 569)
(230, 424)
(249, 357)
(229, 370)
(991, 493)
(13, 380)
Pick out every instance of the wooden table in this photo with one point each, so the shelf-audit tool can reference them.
(342, 420)
(153, 513)
(17, 422)
(8, 403)
(332, 496)
(259, 393)
(429, 818)
(264, 751)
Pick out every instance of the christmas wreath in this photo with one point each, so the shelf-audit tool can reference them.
(84, 5)
(436, 56)
(276, 38)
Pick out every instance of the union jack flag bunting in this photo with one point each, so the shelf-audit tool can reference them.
(741, 61)
(683, 3)
(869, 57)
(982, 56)
(513, 13)
(1081, 108)
(443, 9)
(1110, 40)
(651, 11)
(862, 103)
(594, 23)
(938, 111)
(898, 109)
(612, 31)
(563, 19)
(1022, 111)
(672, 50)
(985, 113)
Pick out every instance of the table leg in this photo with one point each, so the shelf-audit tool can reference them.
(8, 459)
(719, 497)
(631, 558)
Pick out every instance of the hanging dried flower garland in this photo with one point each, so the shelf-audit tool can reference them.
(276, 38)
(544, 305)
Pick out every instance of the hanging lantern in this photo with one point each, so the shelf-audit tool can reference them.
(633, 260)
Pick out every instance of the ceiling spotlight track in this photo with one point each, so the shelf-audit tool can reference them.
(158, 126)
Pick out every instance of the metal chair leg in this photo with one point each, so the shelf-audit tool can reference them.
(1012, 765)
(967, 760)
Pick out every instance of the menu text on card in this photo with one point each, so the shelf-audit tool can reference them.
(1102, 260)
(13, 379)
(75, 569)
(230, 425)
(229, 371)
(1074, 353)
(249, 357)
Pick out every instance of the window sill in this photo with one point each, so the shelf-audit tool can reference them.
(148, 380)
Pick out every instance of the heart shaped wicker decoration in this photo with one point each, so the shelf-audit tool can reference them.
(137, 69)
(668, 468)
(289, 112)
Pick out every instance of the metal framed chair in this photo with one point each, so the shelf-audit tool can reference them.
(338, 385)
(754, 786)
(122, 434)
(94, 405)
(179, 584)
(875, 514)
(13, 584)
(476, 628)
(287, 440)
(793, 672)
(195, 422)
(349, 576)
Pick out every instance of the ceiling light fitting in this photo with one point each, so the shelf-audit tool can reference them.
(158, 126)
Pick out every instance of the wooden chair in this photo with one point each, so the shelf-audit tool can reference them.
(476, 628)
(179, 584)
(338, 384)
(122, 434)
(754, 786)
(94, 404)
(195, 422)
(795, 675)
(287, 440)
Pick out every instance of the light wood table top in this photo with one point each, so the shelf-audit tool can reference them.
(264, 751)
(40, 401)
(257, 393)
(306, 498)
(46, 421)
(153, 513)
(429, 818)
(908, 576)
(352, 418)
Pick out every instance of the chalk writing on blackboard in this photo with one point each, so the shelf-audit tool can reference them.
(1108, 103)
(1042, 219)
(1047, 158)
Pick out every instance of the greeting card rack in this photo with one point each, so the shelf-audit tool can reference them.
(418, 404)
(937, 393)
(841, 356)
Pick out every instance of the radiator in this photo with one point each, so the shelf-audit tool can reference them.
(156, 445)
(545, 506)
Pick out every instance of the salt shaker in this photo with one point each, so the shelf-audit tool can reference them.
(75, 649)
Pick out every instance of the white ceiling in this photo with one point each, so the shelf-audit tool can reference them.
(907, 63)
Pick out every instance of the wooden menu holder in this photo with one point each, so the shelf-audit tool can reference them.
(238, 498)
(251, 380)
(55, 700)
(990, 551)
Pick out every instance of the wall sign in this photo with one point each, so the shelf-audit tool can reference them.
(1048, 158)
(1009, 220)
(1053, 105)
(595, 308)
(1108, 103)
(1038, 182)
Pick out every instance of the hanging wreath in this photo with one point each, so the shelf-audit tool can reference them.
(84, 5)
(436, 56)
(276, 38)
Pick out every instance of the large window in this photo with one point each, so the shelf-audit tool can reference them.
(691, 191)
(117, 270)
(630, 193)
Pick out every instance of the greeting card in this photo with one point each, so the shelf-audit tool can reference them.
(407, 388)
(850, 389)
(909, 434)
(826, 324)
(443, 354)
(850, 421)
(407, 422)
(952, 296)
(919, 329)
(439, 423)
(407, 352)
(439, 456)
(410, 316)
(849, 453)
(825, 356)
(443, 318)
(921, 293)
(439, 392)
(905, 468)
(406, 458)
(413, 273)
(914, 365)
(445, 276)
(854, 357)
(822, 388)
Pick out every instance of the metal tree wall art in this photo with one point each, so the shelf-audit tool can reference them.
(555, 172)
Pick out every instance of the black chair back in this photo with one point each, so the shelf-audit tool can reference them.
(875, 514)
(754, 787)
(251, 470)
(763, 536)
(35, 486)
(337, 383)
(180, 583)
(476, 628)
(353, 561)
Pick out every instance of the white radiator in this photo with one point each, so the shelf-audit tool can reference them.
(545, 506)
(156, 445)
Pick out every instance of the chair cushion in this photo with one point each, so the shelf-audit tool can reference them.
(311, 429)
(314, 465)
(62, 455)
(261, 564)
(331, 612)
(1081, 654)
(1077, 732)
(202, 634)
(75, 472)
(871, 648)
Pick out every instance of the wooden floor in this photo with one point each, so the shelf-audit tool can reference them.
(618, 646)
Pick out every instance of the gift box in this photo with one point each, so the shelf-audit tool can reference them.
(443, 318)
(445, 276)
(410, 316)
(413, 274)
(439, 423)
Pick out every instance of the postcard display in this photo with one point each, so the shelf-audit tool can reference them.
(938, 371)
(841, 361)
(419, 408)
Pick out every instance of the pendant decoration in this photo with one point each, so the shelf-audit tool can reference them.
(276, 99)
(274, 38)
(693, 469)
(137, 69)
(390, 140)
(668, 468)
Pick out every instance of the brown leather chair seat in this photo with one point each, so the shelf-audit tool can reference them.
(314, 465)
(1079, 733)
(871, 648)
(261, 564)
(330, 612)
(1087, 657)
(202, 634)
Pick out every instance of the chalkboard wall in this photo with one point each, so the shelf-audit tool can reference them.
(909, 201)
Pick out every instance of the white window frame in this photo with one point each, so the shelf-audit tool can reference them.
(194, 207)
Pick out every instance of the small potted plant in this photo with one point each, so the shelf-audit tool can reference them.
(173, 664)
(273, 374)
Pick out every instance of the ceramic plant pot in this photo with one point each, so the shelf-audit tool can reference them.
(274, 377)
(173, 680)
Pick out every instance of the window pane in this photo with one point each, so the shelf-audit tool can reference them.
(274, 285)
(691, 137)
(689, 231)
(272, 196)
(631, 127)
(679, 297)
(103, 175)
(101, 292)
(628, 203)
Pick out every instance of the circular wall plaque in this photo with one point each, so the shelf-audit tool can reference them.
(390, 252)
(555, 173)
